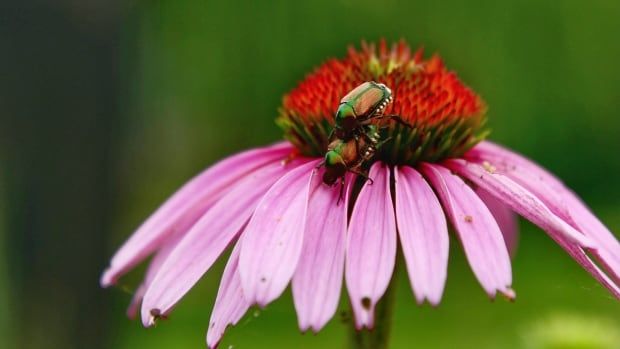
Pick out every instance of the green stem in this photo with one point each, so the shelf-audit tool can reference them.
(379, 336)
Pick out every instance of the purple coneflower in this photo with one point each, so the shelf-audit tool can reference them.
(286, 226)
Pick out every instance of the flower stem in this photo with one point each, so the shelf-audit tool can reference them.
(379, 336)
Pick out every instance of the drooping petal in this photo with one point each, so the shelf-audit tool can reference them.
(480, 235)
(151, 271)
(506, 219)
(560, 200)
(136, 301)
(185, 206)
(582, 258)
(230, 303)
(526, 204)
(501, 156)
(207, 239)
(318, 278)
(608, 252)
(518, 198)
(423, 233)
(371, 246)
(272, 241)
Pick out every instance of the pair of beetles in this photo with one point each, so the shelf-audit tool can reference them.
(354, 138)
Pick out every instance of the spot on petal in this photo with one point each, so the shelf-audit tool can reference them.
(156, 314)
(488, 167)
(366, 303)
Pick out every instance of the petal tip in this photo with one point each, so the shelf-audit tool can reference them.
(150, 319)
(434, 301)
(108, 278)
(213, 339)
(419, 300)
(262, 303)
(131, 312)
(509, 293)
(364, 319)
(313, 326)
(213, 345)
(316, 329)
(431, 300)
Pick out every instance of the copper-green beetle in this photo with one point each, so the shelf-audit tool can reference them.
(364, 103)
(348, 156)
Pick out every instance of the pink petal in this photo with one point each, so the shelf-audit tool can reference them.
(151, 271)
(506, 219)
(560, 200)
(371, 246)
(518, 198)
(185, 206)
(423, 234)
(608, 253)
(479, 233)
(525, 203)
(272, 242)
(318, 278)
(582, 258)
(207, 239)
(136, 301)
(501, 156)
(230, 303)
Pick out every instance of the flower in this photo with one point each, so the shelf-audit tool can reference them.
(287, 227)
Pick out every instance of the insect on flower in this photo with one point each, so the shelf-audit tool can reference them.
(359, 107)
(350, 156)
(286, 226)
(354, 139)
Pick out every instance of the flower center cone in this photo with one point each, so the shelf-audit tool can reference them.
(445, 117)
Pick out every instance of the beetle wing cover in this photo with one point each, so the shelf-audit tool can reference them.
(359, 90)
(365, 98)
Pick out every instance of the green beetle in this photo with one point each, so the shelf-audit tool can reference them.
(362, 104)
(342, 157)
(354, 139)
(350, 156)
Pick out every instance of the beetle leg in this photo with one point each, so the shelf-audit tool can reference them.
(371, 140)
(331, 134)
(357, 144)
(399, 120)
(362, 174)
(396, 118)
(341, 191)
(379, 144)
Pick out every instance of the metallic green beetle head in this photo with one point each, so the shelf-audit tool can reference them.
(335, 167)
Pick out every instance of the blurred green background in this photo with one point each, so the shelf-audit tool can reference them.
(106, 107)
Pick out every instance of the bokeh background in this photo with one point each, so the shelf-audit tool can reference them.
(106, 107)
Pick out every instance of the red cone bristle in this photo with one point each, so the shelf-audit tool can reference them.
(426, 95)
(424, 91)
